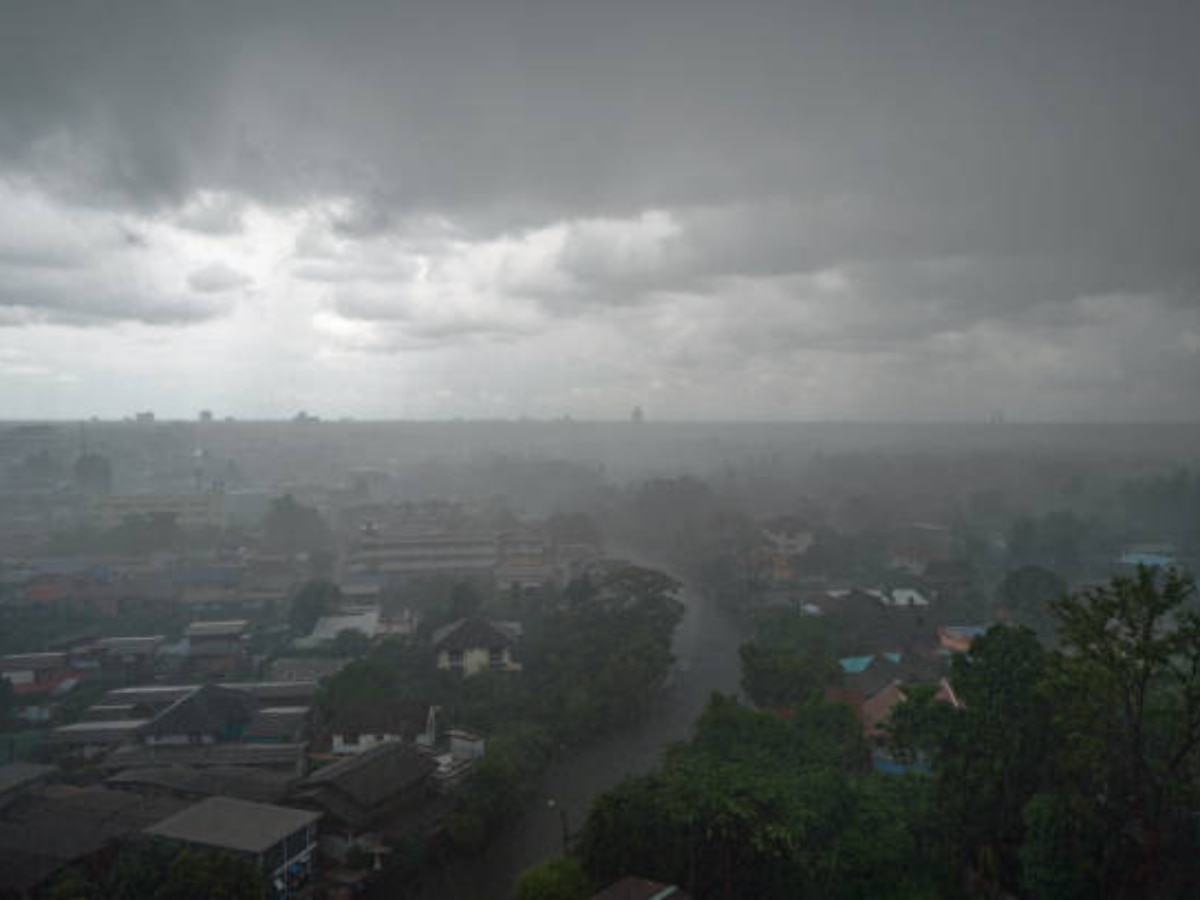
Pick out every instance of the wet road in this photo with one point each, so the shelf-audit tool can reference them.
(705, 647)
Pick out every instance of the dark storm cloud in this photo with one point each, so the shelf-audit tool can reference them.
(952, 166)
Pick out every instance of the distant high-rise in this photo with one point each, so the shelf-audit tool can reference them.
(637, 416)
(206, 415)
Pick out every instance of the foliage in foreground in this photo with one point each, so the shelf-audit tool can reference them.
(1069, 773)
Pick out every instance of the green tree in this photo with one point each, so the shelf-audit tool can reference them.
(1026, 593)
(292, 527)
(763, 807)
(781, 678)
(350, 643)
(205, 875)
(314, 600)
(558, 878)
(1126, 689)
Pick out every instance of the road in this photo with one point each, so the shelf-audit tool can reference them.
(705, 645)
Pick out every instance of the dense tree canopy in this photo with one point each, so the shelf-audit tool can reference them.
(292, 527)
(760, 806)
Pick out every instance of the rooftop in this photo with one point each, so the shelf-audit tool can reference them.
(17, 775)
(473, 633)
(238, 825)
(240, 782)
(228, 628)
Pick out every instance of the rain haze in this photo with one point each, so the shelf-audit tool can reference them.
(599, 451)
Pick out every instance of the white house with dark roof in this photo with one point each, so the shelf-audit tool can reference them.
(476, 644)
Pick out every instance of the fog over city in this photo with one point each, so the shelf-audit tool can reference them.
(599, 451)
(896, 211)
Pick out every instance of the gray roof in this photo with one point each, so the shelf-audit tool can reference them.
(131, 646)
(239, 782)
(112, 732)
(226, 628)
(272, 755)
(306, 668)
(208, 709)
(237, 825)
(22, 661)
(49, 829)
(360, 788)
(166, 694)
(474, 633)
(17, 775)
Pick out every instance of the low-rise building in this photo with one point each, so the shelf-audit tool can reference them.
(280, 840)
(370, 799)
(217, 648)
(476, 644)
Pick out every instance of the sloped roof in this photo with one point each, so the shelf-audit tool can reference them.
(472, 633)
(876, 710)
(239, 782)
(113, 732)
(226, 628)
(306, 668)
(15, 776)
(269, 754)
(230, 824)
(209, 709)
(131, 646)
(49, 829)
(33, 661)
(852, 665)
(358, 788)
(403, 719)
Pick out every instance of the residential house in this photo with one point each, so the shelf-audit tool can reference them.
(217, 648)
(129, 659)
(46, 830)
(375, 798)
(958, 638)
(363, 620)
(476, 644)
(357, 728)
(878, 709)
(915, 546)
(208, 715)
(280, 840)
(909, 598)
(286, 758)
(196, 782)
(90, 738)
(38, 675)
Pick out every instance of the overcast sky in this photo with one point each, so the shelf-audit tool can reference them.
(427, 209)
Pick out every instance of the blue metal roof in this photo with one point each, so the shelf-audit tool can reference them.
(852, 665)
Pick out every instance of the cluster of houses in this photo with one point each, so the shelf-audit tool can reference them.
(235, 765)
(111, 586)
(895, 627)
